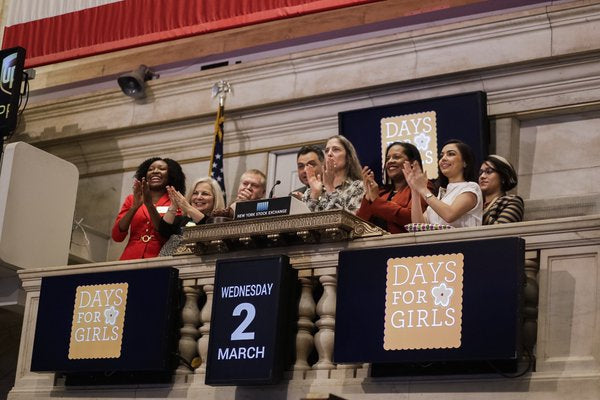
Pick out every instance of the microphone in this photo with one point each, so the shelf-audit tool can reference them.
(277, 182)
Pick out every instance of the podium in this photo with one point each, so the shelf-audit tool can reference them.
(287, 205)
(272, 231)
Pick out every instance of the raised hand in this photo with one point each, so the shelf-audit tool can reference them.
(314, 181)
(407, 170)
(171, 194)
(329, 174)
(371, 187)
(177, 198)
(415, 177)
(138, 198)
(146, 195)
(244, 194)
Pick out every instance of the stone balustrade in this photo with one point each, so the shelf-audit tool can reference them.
(560, 324)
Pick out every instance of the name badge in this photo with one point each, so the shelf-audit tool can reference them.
(162, 209)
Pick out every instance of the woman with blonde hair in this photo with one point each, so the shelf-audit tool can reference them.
(341, 184)
(205, 196)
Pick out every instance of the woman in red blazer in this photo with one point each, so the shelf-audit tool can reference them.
(389, 207)
(141, 212)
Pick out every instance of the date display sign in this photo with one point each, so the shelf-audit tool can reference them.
(251, 321)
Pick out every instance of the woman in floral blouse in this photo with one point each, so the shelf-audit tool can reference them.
(341, 185)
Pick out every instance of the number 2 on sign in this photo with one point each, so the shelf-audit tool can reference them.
(239, 333)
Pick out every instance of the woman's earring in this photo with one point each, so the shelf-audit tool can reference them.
(464, 165)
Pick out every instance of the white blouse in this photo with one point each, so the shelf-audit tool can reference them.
(471, 218)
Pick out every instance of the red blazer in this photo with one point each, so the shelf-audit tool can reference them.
(140, 229)
(396, 212)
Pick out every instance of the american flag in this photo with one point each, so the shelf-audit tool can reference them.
(216, 160)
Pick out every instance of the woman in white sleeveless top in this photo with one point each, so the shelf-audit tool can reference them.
(459, 200)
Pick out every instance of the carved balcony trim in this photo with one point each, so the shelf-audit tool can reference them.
(318, 227)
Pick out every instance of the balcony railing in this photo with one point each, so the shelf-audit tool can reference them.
(563, 338)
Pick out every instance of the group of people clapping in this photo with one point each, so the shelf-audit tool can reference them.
(459, 197)
(158, 207)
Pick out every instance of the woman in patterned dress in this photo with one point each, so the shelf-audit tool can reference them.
(341, 185)
(496, 177)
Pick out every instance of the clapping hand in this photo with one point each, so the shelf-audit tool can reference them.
(314, 181)
(415, 177)
(177, 198)
(146, 195)
(138, 197)
(371, 187)
(329, 174)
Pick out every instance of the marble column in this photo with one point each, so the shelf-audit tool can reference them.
(326, 324)
(306, 314)
(189, 331)
(204, 329)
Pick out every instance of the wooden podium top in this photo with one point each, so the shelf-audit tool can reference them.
(317, 227)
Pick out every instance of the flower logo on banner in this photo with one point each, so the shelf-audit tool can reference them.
(419, 129)
(93, 336)
(441, 295)
(422, 141)
(423, 302)
(110, 315)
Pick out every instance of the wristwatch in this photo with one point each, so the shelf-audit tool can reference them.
(428, 196)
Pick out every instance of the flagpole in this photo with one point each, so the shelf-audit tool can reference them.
(215, 169)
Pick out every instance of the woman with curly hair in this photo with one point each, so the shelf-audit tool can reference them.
(389, 206)
(142, 211)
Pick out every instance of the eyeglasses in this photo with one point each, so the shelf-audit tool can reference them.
(487, 171)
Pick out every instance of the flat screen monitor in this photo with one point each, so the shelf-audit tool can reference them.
(12, 62)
